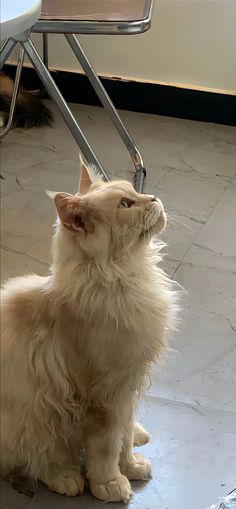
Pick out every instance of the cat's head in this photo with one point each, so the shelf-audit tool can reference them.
(108, 218)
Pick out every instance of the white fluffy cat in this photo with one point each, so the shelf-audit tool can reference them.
(77, 345)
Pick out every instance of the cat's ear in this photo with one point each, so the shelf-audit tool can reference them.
(72, 213)
(88, 175)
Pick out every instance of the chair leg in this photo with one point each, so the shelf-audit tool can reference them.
(55, 94)
(15, 93)
(6, 50)
(111, 110)
(45, 49)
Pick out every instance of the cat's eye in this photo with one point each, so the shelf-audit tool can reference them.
(126, 202)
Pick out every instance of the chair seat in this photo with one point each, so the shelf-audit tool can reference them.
(16, 16)
(95, 10)
(94, 16)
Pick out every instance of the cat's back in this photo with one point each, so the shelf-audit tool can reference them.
(22, 301)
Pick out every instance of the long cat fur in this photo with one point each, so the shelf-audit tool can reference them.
(78, 344)
(30, 110)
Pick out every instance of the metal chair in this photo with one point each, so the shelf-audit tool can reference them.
(16, 18)
(111, 17)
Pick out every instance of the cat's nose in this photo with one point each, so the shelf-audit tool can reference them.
(154, 199)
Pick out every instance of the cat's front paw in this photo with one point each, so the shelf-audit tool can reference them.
(140, 470)
(67, 482)
(117, 490)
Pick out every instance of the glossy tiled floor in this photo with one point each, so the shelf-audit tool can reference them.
(191, 408)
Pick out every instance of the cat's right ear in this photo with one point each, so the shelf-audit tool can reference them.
(88, 175)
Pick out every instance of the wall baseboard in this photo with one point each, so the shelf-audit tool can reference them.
(139, 96)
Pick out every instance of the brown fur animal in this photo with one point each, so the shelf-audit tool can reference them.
(30, 110)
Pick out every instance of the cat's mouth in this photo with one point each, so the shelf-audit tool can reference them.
(154, 225)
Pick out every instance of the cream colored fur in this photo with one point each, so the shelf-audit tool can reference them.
(78, 344)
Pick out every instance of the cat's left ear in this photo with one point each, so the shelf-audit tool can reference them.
(71, 212)
(88, 175)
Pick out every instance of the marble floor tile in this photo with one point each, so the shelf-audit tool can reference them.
(201, 367)
(60, 174)
(215, 246)
(208, 289)
(213, 158)
(31, 214)
(9, 183)
(169, 265)
(15, 262)
(191, 195)
(16, 155)
(179, 234)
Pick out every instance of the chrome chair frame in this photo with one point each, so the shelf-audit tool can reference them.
(69, 29)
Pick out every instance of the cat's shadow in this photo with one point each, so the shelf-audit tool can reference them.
(29, 488)
(23, 485)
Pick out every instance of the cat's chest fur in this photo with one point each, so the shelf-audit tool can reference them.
(112, 332)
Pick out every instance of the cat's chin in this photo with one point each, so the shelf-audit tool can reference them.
(154, 228)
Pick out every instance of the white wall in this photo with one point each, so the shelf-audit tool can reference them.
(191, 43)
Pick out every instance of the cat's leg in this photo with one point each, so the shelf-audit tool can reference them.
(63, 474)
(104, 441)
(64, 479)
(132, 465)
(56, 468)
(141, 436)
